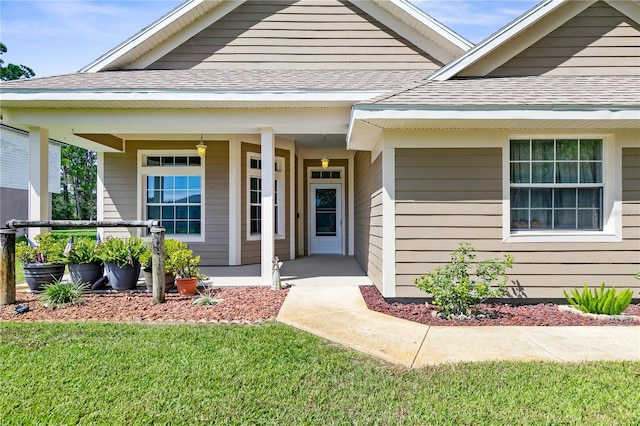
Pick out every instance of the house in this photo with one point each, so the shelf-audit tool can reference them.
(14, 173)
(528, 143)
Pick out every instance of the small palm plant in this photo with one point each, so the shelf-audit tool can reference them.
(58, 294)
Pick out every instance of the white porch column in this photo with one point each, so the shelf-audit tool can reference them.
(267, 141)
(388, 222)
(235, 194)
(38, 177)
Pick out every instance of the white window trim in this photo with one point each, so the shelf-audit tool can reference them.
(144, 171)
(279, 176)
(311, 181)
(611, 202)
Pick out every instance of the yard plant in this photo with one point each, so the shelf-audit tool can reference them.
(463, 283)
(122, 251)
(47, 249)
(60, 294)
(600, 301)
(84, 250)
(117, 374)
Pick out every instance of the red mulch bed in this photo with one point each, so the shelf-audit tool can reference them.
(544, 314)
(246, 305)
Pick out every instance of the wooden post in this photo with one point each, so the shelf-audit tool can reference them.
(7, 266)
(157, 264)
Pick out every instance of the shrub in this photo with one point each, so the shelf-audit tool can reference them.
(460, 285)
(84, 250)
(59, 295)
(170, 246)
(122, 251)
(600, 301)
(48, 250)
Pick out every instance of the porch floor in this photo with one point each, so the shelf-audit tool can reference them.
(309, 270)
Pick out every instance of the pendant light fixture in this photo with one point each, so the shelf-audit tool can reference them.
(202, 148)
(325, 161)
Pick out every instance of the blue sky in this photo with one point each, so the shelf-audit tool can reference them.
(57, 37)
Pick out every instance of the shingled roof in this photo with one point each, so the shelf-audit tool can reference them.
(232, 80)
(517, 91)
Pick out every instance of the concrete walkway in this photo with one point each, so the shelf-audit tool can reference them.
(339, 314)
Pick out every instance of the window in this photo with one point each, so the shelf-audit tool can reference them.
(173, 193)
(556, 184)
(254, 174)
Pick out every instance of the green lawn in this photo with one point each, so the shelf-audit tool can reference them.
(273, 374)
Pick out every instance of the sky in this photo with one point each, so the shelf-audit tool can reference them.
(58, 37)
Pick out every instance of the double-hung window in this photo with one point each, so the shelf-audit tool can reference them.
(254, 195)
(173, 189)
(556, 185)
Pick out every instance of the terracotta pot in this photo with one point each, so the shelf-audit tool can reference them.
(187, 286)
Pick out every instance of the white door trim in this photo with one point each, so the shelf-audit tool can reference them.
(339, 219)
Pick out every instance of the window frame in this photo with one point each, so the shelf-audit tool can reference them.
(145, 171)
(279, 195)
(611, 191)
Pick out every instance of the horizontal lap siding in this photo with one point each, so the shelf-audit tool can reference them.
(447, 196)
(297, 34)
(120, 199)
(368, 215)
(598, 41)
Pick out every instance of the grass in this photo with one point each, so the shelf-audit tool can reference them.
(54, 373)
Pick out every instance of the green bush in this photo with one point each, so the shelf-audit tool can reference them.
(59, 295)
(460, 285)
(122, 251)
(600, 301)
(170, 246)
(84, 250)
(48, 250)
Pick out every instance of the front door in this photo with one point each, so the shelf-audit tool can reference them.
(325, 214)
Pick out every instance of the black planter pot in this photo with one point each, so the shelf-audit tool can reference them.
(86, 272)
(39, 274)
(123, 277)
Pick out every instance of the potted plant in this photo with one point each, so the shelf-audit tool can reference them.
(184, 265)
(83, 260)
(121, 257)
(42, 263)
(170, 246)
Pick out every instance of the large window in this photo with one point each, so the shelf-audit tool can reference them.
(556, 184)
(254, 178)
(173, 193)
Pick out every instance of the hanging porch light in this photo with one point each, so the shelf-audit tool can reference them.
(325, 161)
(202, 148)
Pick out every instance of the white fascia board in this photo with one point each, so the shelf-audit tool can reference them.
(626, 7)
(141, 37)
(195, 96)
(430, 36)
(426, 20)
(497, 39)
(506, 113)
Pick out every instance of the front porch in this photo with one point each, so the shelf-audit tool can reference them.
(321, 270)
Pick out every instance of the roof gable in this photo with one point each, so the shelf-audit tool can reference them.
(559, 37)
(297, 34)
(178, 36)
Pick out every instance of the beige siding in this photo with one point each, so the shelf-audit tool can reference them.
(250, 252)
(598, 41)
(368, 215)
(447, 196)
(120, 199)
(297, 34)
(315, 163)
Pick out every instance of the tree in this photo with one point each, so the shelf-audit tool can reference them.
(77, 200)
(12, 71)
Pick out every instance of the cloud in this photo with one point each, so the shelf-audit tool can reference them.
(475, 19)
